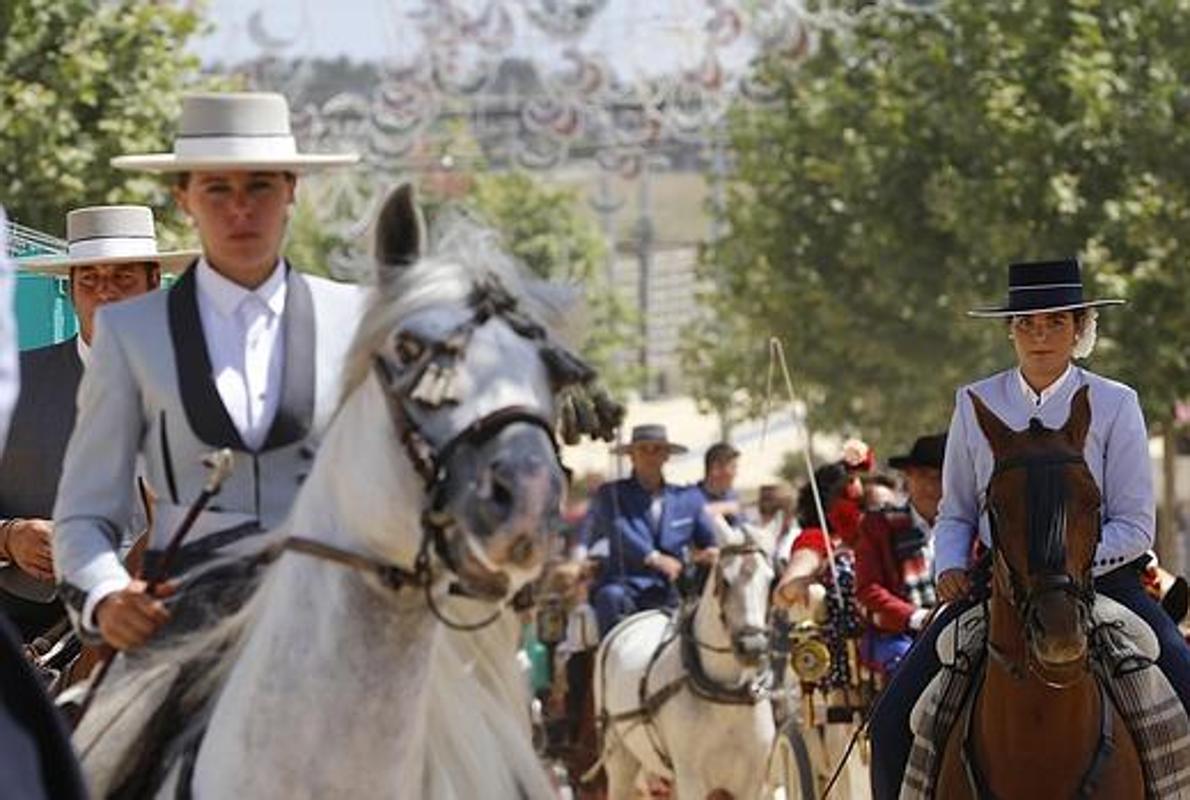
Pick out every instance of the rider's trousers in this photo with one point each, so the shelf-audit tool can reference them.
(889, 724)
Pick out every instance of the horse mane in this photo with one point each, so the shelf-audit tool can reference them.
(461, 251)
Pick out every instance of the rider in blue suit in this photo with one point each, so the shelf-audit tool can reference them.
(650, 528)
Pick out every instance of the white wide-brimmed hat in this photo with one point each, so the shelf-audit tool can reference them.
(234, 131)
(110, 235)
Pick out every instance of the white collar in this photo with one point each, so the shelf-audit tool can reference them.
(1036, 399)
(226, 295)
(920, 522)
(84, 350)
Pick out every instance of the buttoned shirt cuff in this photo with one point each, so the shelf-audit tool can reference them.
(1109, 562)
(109, 586)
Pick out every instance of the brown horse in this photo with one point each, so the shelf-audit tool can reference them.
(1041, 725)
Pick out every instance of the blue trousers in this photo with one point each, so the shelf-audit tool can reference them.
(884, 651)
(614, 601)
(889, 723)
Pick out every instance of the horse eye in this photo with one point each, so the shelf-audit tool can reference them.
(408, 347)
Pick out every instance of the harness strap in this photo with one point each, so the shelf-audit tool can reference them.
(1107, 745)
(975, 779)
(746, 694)
(1090, 781)
(649, 704)
(393, 576)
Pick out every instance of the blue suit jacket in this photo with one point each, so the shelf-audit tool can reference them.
(620, 513)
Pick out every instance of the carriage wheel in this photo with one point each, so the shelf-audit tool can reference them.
(790, 768)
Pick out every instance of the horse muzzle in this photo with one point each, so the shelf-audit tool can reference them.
(751, 645)
(508, 517)
(1058, 629)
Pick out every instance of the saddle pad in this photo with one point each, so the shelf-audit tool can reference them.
(1125, 649)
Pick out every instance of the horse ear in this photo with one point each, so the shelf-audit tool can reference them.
(764, 536)
(993, 427)
(400, 231)
(1079, 422)
(724, 533)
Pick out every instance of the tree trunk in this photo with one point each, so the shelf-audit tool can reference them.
(1168, 547)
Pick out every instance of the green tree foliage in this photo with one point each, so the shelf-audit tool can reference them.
(546, 229)
(914, 156)
(81, 82)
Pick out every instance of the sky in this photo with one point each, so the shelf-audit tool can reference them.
(635, 36)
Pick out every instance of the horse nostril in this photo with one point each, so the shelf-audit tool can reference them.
(502, 486)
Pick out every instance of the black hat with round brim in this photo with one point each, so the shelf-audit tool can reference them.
(927, 451)
(1037, 287)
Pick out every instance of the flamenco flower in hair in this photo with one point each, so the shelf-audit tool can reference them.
(858, 456)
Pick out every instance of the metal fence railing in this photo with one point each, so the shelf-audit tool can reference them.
(24, 242)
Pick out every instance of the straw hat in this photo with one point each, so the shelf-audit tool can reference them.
(237, 131)
(110, 235)
(649, 434)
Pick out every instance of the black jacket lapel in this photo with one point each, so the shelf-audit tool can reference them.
(204, 408)
(295, 410)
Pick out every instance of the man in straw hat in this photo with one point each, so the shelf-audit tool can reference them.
(111, 255)
(242, 352)
(36, 759)
(649, 526)
(1050, 323)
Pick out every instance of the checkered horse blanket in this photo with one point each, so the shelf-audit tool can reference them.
(1125, 650)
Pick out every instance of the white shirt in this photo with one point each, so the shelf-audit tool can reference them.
(1046, 393)
(242, 330)
(84, 351)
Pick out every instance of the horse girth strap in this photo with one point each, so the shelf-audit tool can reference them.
(651, 704)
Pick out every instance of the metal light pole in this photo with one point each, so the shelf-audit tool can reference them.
(644, 253)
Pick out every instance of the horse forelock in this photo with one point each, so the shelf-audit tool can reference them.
(462, 256)
(1047, 463)
(1045, 504)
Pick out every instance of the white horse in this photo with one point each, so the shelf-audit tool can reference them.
(682, 701)
(343, 676)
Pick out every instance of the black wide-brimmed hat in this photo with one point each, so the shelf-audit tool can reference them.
(927, 451)
(642, 434)
(1035, 287)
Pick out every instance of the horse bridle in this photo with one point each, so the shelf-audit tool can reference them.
(731, 551)
(428, 379)
(1024, 598)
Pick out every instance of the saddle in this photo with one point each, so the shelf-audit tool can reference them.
(1125, 651)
